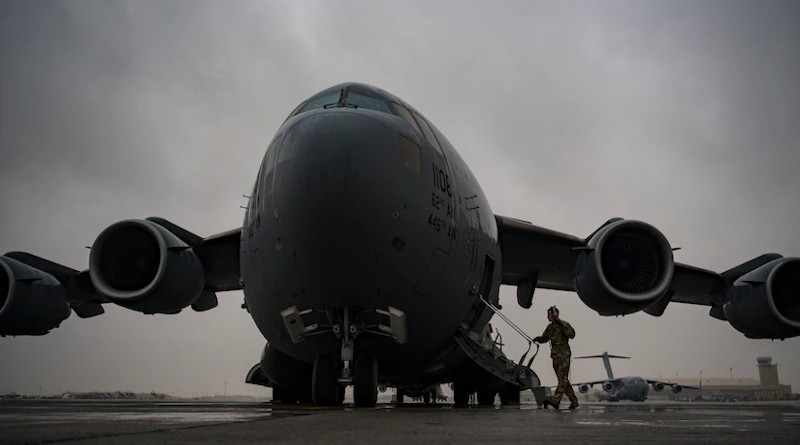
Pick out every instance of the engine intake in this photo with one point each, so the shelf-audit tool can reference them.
(140, 265)
(583, 388)
(765, 303)
(32, 302)
(626, 266)
(677, 389)
(658, 386)
(608, 386)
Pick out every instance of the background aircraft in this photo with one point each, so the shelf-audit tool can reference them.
(625, 388)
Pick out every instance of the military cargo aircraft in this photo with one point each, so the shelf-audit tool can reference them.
(370, 256)
(625, 388)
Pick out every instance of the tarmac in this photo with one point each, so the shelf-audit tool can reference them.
(124, 422)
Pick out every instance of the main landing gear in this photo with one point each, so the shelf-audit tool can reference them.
(325, 388)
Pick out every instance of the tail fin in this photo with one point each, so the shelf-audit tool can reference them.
(605, 356)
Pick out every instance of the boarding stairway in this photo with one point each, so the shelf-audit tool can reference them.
(489, 356)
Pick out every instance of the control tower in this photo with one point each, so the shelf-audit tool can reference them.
(767, 372)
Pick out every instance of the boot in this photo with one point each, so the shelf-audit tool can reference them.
(574, 404)
(550, 402)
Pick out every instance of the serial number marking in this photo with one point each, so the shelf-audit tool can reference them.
(440, 225)
(441, 180)
(439, 203)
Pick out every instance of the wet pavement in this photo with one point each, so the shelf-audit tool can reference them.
(55, 421)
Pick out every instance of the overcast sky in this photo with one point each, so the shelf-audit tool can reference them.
(683, 114)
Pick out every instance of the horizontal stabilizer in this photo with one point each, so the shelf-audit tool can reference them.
(602, 355)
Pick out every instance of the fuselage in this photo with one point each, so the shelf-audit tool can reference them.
(361, 203)
(629, 388)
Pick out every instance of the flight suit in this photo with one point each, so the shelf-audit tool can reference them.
(558, 333)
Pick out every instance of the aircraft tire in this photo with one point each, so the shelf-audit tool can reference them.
(433, 398)
(340, 395)
(460, 395)
(486, 397)
(281, 395)
(509, 395)
(365, 387)
(324, 383)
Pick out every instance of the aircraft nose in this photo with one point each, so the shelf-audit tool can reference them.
(334, 166)
(335, 196)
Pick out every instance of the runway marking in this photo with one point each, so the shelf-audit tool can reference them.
(162, 418)
(52, 422)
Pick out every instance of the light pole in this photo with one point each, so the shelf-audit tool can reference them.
(701, 383)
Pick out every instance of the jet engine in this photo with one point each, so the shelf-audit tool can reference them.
(765, 303)
(140, 265)
(32, 302)
(625, 267)
(608, 386)
(583, 388)
(658, 386)
(677, 389)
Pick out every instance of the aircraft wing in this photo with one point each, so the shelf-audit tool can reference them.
(151, 266)
(532, 251)
(595, 382)
(626, 266)
(659, 385)
(219, 254)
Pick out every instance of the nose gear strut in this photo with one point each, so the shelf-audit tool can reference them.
(330, 375)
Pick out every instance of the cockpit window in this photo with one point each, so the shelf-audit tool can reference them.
(370, 103)
(427, 132)
(419, 124)
(319, 102)
(346, 96)
(296, 110)
(405, 115)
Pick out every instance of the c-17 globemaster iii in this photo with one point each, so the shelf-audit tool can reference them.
(626, 388)
(369, 255)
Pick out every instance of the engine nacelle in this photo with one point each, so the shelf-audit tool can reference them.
(32, 302)
(583, 388)
(626, 266)
(658, 386)
(608, 386)
(140, 265)
(765, 303)
(677, 389)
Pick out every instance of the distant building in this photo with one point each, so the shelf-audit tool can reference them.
(767, 387)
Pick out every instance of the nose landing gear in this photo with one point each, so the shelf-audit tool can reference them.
(332, 374)
(365, 388)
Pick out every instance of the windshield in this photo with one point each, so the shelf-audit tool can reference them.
(370, 103)
(321, 101)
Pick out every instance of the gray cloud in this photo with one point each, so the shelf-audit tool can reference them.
(682, 114)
